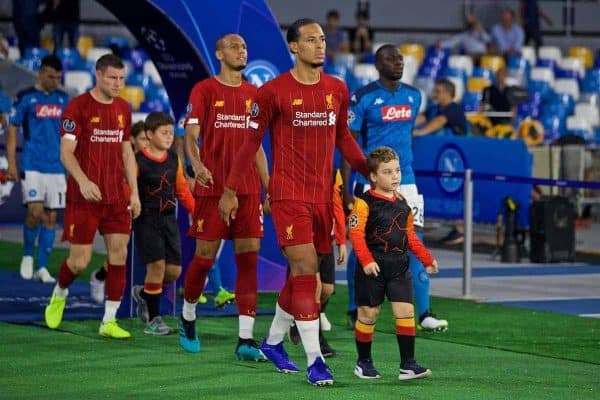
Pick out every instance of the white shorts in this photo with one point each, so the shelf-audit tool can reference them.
(414, 200)
(49, 189)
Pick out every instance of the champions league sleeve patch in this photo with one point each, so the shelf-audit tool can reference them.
(188, 109)
(351, 117)
(353, 221)
(69, 125)
(255, 110)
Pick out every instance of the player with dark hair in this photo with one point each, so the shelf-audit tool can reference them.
(218, 113)
(306, 113)
(38, 110)
(381, 231)
(160, 182)
(102, 189)
(383, 113)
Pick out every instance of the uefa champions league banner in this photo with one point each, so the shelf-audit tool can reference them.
(180, 36)
(444, 195)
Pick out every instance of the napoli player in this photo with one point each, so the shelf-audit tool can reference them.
(38, 111)
(306, 112)
(383, 113)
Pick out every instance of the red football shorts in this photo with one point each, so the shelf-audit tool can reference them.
(82, 220)
(208, 225)
(297, 222)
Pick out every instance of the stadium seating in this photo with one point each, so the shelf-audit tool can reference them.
(542, 74)
(573, 64)
(410, 69)
(95, 53)
(471, 101)
(84, 44)
(584, 54)
(80, 81)
(567, 85)
(477, 84)
(528, 53)
(134, 95)
(137, 57)
(580, 126)
(71, 59)
(589, 112)
(493, 63)
(138, 116)
(550, 53)
(365, 73)
(150, 70)
(459, 87)
(462, 62)
(413, 49)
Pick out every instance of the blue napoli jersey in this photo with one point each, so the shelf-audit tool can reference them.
(386, 118)
(39, 115)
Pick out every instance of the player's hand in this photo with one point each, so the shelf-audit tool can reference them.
(433, 268)
(203, 176)
(267, 206)
(228, 205)
(191, 183)
(348, 201)
(135, 205)
(90, 191)
(342, 253)
(12, 173)
(372, 269)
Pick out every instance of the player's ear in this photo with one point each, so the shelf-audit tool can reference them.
(219, 55)
(294, 47)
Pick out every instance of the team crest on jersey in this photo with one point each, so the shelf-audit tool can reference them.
(289, 232)
(69, 125)
(200, 226)
(120, 121)
(297, 102)
(248, 106)
(329, 101)
(220, 103)
(353, 221)
(255, 110)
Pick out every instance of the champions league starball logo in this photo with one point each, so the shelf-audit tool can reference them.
(259, 72)
(450, 159)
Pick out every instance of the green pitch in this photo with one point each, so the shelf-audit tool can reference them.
(489, 352)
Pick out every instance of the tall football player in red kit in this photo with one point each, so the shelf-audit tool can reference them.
(306, 111)
(102, 189)
(219, 113)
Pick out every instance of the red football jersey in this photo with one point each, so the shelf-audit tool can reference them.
(306, 123)
(100, 129)
(223, 113)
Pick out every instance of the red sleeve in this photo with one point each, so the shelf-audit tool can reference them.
(263, 111)
(344, 139)
(196, 106)
(358, 222)
(126, 120)
(415, 245)
(182, 190)
(71, 122)
(339, 217)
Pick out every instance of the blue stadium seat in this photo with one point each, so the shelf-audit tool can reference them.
(529, 109)
(35, 53)
(139, 79)
(71, 59)
(471, 101)
(480, 72)
(562, 98)
(149, 106)
(591, 81)
(546, 63)
(539, 89)
(32, 64)
(450, 72)
(565, 73)
(553, 127)
(137, 57)
(117, 42)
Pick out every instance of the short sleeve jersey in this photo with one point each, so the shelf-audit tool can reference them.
(304, 121)
(223, 114)
(39, 115)
(386, 118)
(99, 129)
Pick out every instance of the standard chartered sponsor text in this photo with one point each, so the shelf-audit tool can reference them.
(314, 118)
(107, 135)
(231, 121)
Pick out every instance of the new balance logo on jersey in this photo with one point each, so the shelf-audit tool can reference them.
(297, 102)
(48, 111)
(396, 113)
